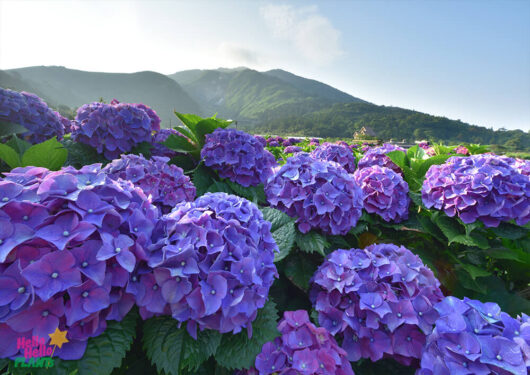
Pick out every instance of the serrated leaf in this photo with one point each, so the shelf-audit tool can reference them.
(510, 231)
(49, 154)
(284, 237)
(471, 240)
(254, 194)
(311, 242)
(434, 160)
(398, 157)
(299, 269)
(219, 186)
(196, 352)
(238, 351)
(449, 227)
(9, 156)
(358, 229)
(416, 198)
(202, 179)
(163, 342)
(276, 217)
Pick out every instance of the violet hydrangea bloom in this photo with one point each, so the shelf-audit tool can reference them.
(377, 156)
(165, 184)
(61, 257)
(471, 337)
(320, 194)
(31, 112)
(112, 129)
(292, 149)
(338, 153)
(302, 348)
(385, 192)
(261, 140)
(479, 187)
(461, 150)
(378, 300)
(213, 264)
(237, 156)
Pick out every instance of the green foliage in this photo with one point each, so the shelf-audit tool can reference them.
(238, 351)
(311, 242)
(80, 154)
(49, 154)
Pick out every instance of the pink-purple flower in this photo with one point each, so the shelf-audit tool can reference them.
(377, 156)
(338, 153)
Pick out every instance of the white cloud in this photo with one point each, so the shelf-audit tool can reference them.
(312, 34)
(239, 55)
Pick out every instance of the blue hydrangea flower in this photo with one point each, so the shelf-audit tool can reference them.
(320, 194)
(292, 149)
(377, 156)
(112, 129)
(479, 187)
(385, 192)
(31, 112)
(378, 300)
(338, 153)
(165, 184)
(237, 156)
(471, 337)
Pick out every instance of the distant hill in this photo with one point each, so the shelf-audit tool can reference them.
(72, 88)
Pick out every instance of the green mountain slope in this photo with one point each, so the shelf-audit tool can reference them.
(73, 88)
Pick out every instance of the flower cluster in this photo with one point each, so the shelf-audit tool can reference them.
(292, 149)
(377, 156)
(155, 120)
(379, 300)
(338, 153)
(112, 129)
(429, 150)
(479, 187)
(521, 165)
(159, 137)
(471, 337)
(166, 185)
(68, 242)
(212, 263)
(461, 150)
(261, 140)
(302, 348)
(31, 112)
(237, 156)
(320, 194)
(385, 193)
(314, 142)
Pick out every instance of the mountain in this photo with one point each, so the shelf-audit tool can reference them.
(61, 86)
(249, 95)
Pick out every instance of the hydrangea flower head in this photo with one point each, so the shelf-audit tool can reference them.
(462, 150)
(155, 120)
(478, 338)
(429, 150)
(379, 301)
(165, 184)
(385, 192)
(213, 261)
(302, 348)
(377, 156)
(320, 194)
(237, 156)
(112, 129)
(31, 112)
(338, 153)
(479, 187)
(292, 149)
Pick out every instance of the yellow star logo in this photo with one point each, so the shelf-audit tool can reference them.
(58, 338)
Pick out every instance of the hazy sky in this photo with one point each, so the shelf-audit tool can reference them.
(467, 60)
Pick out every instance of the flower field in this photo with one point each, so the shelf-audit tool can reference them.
(206, 250)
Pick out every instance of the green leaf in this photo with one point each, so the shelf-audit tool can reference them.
(187, 132)
(434, 160)
(508, 254)
(465, 280)
(8, 128)
(238, 351)
(184, 161)
(410, 178)
(19, 145)
(472, 240)
(398, 157)
(10, 156)
(80, 154)
(143, 148)
(196, 352)
(311, 242)
(416, 198)
(179, 144)
(219, 186)
(358, 229)
(416, 152)
(284, 237)
(449, 227)
(255, 194)
(202, 179)
(475, 271)
(204, 127)
(49, 154)
(189, 120)
(299, 269)
(276, 217)
(510, 231)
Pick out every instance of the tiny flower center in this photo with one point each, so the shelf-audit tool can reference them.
(409, 338)
(117, 250)
(182, 263)
(155, 287)
(25, 218)
(5, 199)
(66, 233)
(398, 315)
(45, 313)
(134, 278)
(212, 291)
(135, 229)
(300, 343)
(55, 275)
(90, 210)
(85, 294)
(499, 358)
(21, 290)
(84, 264)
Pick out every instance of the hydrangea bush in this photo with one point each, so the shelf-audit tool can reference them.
(377, 156)
(338, 153)
(378, 301)
(31, 112)
(471, 337)
(69, 241)
(237, 156)
(212, 261)
(385, 193)
(320, 194)
(166, 185)
(480, 187)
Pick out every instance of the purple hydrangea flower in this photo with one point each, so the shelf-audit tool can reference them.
(112, 129)
(377, 156)
(31, 112)
(159, 137)
(59, 264)
(261, 140)
(301, 349)
(237, 156)
(385, 192)
(155, 120)
(338, 153)
(429, 150)
(165, 184)
(320, 194)
(471, 337)
(292, 149)
(461, 150)
(379, 301)
(213, 264)
(274, 144)
(479, 187)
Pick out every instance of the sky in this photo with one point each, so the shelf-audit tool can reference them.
(467, 60)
